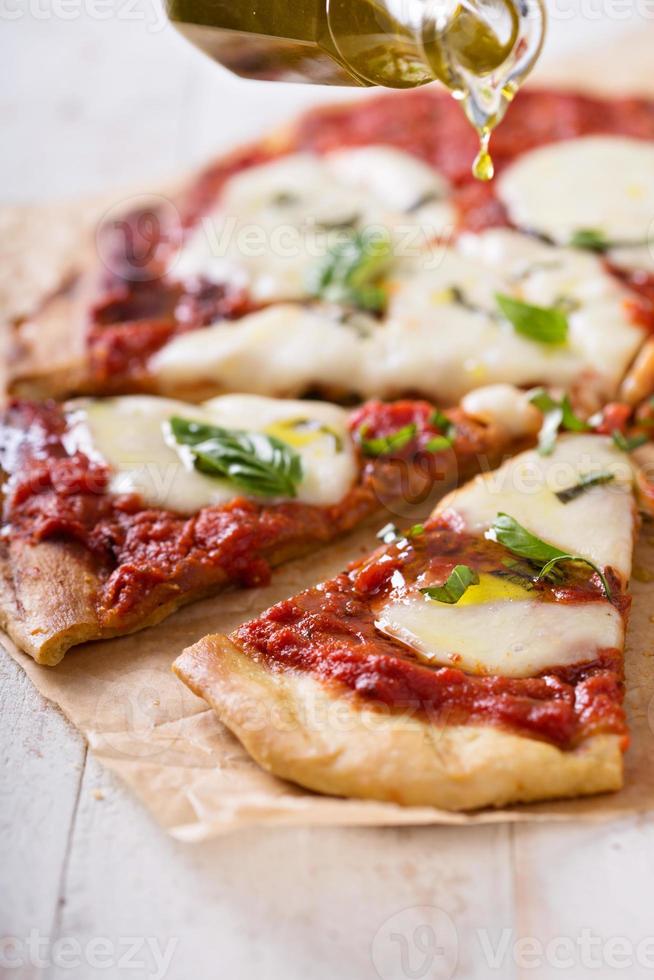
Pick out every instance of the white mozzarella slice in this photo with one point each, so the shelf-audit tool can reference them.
(509, 637)
(448, 347)
(504, 406)
(132, 436)
(281, 351)
(597, 525)
(276, 221)
(399, 181)
(603, 183)
(634, 257)
(442, 336)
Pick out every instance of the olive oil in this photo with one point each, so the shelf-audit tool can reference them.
(480, 49)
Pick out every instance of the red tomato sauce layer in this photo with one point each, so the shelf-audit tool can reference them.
(143, 555)
(140, 306)
(329, 632)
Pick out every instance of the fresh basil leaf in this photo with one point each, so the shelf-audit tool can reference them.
(518, 540)
(383, 445)
(458, 582)
(349, 272)
(545, 324)
(254, 461)
(585, 482)
(627, 444)
(550, 565)
(437, 444)
(416, 530)
(590, 238)
(556, 415)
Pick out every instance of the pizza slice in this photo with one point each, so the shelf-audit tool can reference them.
(118, 511)
(329, 239)
(475, 660)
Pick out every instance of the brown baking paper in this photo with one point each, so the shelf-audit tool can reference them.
(145, 726)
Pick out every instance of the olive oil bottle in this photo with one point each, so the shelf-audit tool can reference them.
(480, 49)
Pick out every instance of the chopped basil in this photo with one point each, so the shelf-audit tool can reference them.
(545, 324)
(416, 530)
(443, 441)
(590, 238)
(285, 199)
(628, 444)
(585, 482)
(348, 274)
(427, 198)
(556, 415)
(339, 224)
(383, 445)
(259, 463)
(458, 582)
(521, 542)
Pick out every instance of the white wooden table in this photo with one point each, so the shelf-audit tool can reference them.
(97, 95)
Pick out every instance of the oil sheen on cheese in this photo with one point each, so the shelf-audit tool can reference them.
(131, 435)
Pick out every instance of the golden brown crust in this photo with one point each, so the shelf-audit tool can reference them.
(331, 742)
(47, 353)
(49, 594)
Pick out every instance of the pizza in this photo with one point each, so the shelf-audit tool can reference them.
(357, 237)
(180, 421)
(117, 511)
(473, 660)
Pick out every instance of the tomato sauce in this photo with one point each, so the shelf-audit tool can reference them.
(137, 295)
(144, 555)
(329, 632)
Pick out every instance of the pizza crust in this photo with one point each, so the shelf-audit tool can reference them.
(328, 741)
(47, 352)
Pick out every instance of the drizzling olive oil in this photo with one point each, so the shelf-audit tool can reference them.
(482, 50)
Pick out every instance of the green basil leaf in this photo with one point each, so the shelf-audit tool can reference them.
(383, 445)
(586, 481)
(626, 444)
(458, 582)
(556, 415)
(545, 324)
(518, 540)
(349, 272)
(590, 238)
(254, 461)
(548, 568)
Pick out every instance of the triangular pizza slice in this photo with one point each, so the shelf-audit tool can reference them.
(117, 511)
(474, 660)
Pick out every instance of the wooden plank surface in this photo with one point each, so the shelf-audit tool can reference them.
(90, 886)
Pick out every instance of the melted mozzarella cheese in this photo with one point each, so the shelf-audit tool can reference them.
(603, 183)
(597, 525)
(504, 406)
(499, 627)
(274, 222)
(280, 351)
(442, 336)
(511, 637)
(132, 436)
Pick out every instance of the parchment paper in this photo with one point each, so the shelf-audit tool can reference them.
(161, 740)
